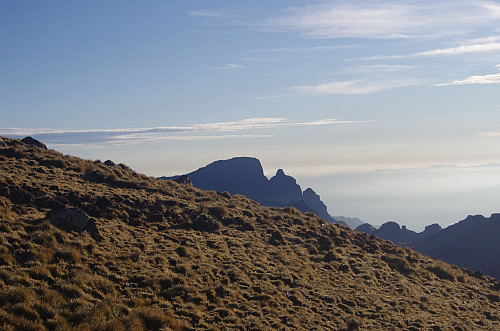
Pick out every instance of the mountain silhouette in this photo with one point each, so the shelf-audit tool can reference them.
(471, 243)
(245, 175)
(90, 245)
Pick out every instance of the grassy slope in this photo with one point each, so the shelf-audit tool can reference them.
(252, 268)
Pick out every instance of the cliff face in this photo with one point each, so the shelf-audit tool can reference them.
(244, 175)
(241, 174)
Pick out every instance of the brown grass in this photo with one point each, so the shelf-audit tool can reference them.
(176, 258)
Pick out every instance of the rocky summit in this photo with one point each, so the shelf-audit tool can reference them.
(245, 175)
(168, 256)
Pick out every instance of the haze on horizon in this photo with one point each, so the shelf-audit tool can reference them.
(330, 91)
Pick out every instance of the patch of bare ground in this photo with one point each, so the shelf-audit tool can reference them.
(171, 257)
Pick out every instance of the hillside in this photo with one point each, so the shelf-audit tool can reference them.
(169, 256)
(245, 175)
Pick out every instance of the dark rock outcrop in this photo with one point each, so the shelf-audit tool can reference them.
(184, 179)
(109, 163)
(33, 142)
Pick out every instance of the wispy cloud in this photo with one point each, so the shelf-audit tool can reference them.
(229, 66)
(302, 49)
(96, 138)
(490, 134)
(379, 68)
(387, 19)
(463, 49)
(478, 79)
(486, 79)
(210, 13)
(490, 44)
(350, 87)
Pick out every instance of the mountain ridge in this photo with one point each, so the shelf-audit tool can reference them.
(471, 243)
(245, 175)
(169, 256)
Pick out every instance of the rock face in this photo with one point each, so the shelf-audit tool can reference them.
(244, 175)
(33, 142)
(471, 243)
(72, 219)
(282, 188)
(312, 199)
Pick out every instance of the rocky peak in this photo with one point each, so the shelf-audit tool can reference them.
(33, 142)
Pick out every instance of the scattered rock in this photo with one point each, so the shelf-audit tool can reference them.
(206, 223)
(277, 238)
(184, 179)
(324, 243)
(109, 163)
(330, 256)
(72, 219)
(33, 142)
(246, 226)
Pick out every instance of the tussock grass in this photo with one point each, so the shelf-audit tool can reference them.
(172, 257)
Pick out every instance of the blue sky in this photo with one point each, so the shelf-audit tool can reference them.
(319, 88)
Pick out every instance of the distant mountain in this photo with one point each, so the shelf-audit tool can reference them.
(472, 243)
(397, 234)
(244, 175)
(90, 245)
(352, 222)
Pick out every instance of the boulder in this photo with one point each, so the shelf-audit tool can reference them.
(33, 142)
(184, 179)
(72, 219)
(109, 163)
(206, 223)
(2, 143)
(277, 239)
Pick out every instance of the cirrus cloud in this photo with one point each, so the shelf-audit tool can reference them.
(387, 19)
(99, 138)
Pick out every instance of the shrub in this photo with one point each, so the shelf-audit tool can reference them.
(442, 272)
(219, 212)
(57, 163)
(14, 295)
(68, 254)
(206, 223)
(398, 263)
(181, 251)
(153, 318)
(6, 258)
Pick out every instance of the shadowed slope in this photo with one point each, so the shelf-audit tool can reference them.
(175, 257)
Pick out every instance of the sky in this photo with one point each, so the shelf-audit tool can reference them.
(362, 101)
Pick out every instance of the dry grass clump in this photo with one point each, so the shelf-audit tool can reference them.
(442, 271)
(172, 257)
